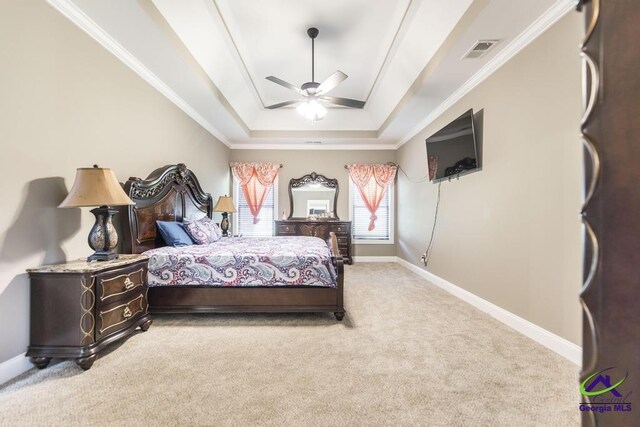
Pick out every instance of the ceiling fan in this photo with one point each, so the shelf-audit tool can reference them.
(312, 92)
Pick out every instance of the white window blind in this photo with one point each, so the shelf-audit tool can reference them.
(360, 217)
(244, 220)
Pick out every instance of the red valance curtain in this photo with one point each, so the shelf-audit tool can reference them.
(256, 179)
(372, 182)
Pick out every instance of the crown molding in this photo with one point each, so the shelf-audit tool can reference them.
(318, 134)
(539, 26)
(153, 12)
(233, 46)
(319, 147)
(469, 16)
(86, 24)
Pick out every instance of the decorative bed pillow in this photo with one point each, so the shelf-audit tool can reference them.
(173, 233)
(203, 231)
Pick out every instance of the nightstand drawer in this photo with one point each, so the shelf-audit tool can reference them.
(285, 229)
(111, 286)
(118, 316)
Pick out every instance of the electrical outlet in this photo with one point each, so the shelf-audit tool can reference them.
(423, 257)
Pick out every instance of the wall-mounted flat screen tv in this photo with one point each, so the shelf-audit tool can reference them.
(452, 152)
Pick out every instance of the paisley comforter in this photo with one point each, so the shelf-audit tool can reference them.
(244, 261)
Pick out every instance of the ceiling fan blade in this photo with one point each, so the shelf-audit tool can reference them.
(345, 102)
(286, 84)
(330, 83)
(281, 104)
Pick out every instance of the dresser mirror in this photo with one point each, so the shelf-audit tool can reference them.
(313, 196)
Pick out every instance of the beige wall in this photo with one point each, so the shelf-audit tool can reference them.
(329, 163)
(67, 103)
(511, 233)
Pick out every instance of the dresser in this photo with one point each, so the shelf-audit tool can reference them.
(321, 229)
(79, 307)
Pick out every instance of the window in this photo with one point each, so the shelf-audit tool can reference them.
(243, 220)
(359, 215)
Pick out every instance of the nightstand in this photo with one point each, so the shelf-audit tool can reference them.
(79, 307)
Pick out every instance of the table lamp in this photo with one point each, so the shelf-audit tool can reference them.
(225, 205)
(98, 187)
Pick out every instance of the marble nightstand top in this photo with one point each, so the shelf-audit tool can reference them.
(82, 266)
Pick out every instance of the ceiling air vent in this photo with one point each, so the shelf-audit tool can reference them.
(480, 49)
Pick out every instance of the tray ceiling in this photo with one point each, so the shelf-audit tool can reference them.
(404, 57)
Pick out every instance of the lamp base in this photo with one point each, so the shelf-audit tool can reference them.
(224, 224)
(103, 237)
(103, 256)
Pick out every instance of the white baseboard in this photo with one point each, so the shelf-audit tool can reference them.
(563, 347)
(375, 259)
(13, 367)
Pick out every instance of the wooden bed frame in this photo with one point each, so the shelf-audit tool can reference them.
(172, 193)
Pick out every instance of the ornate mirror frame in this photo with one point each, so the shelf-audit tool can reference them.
(314, 178)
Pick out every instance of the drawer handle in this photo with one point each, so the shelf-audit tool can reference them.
(128, 284)
(287, 228)
(126, 313)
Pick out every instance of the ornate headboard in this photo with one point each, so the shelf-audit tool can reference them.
(170, 193)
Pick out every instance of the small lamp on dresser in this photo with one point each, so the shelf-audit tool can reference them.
(226, 206)
(98, 187)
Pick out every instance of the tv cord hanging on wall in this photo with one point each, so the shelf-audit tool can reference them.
(423, 179)
(427, 254)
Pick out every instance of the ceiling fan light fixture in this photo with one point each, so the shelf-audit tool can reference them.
(312, 110)
(302, 108)
(313, 91)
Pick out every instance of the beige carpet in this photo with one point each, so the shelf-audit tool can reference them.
(406, 354)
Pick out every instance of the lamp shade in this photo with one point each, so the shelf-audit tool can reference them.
(95, 187)
(224, 204)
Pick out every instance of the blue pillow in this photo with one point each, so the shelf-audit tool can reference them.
(173, 233)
